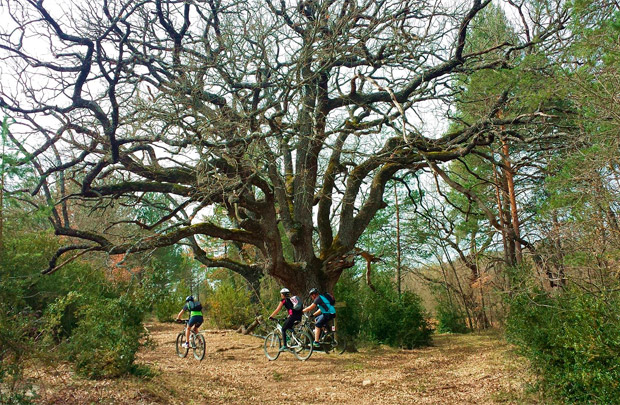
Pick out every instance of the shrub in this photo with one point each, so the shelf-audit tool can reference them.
(75, 309)
(168, 306)
(16, 337)
(349, 293)
(399, 322)
(107, 337)
(229, 306)
(382, 316)
(61, 318)
(15, 347)
(450, 318)
(572, 340)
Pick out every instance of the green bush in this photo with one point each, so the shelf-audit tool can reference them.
(399, 322)
(168, 307)
(75, 314)
(381, 316)
(450, 318)
(349, 299)
(107, 337)
(229, 306)
(572, 340)
(15, 347)
(17, 320)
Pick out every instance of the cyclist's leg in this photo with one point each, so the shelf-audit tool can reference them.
(329, 325)
(288, 324)
(327, 334)
(194, 320)
(320, 322)
(187, 330)
(197, 323)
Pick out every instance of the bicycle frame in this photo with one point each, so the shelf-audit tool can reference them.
(327, 337)
(299, 343)
(196, 343)
(309, 325)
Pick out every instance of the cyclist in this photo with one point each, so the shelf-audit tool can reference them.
(324, 312)
(195, 317)
(294, 315)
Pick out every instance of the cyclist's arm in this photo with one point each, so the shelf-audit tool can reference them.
(310, 308)
(277, 310)
(180, 314)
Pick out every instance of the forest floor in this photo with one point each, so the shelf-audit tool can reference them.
(457, 369)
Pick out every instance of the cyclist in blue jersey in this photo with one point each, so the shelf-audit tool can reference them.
(324, 312)
(195, 317)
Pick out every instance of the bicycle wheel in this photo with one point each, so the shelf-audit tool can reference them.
(272, 345)
(301, 345)
(337, 344)
(328, 342)
(341, 344)
(199, 346)
(181, 351)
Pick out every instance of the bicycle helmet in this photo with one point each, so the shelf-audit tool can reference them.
(285, 291)
(189, 298)
(313, 291)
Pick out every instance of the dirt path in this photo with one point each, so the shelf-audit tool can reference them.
(469, 369)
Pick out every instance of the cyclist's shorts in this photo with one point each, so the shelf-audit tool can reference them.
(195, 320)
(322, 319)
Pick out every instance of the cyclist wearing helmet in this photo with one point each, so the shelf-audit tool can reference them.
(324, 312)
(195, 317)
(293, 314)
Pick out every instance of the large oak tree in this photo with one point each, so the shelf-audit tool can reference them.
(290, 115)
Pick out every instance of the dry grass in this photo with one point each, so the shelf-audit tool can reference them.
(458, 369)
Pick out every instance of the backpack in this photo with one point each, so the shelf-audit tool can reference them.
(330, 298)
(297, 304)
(328, 301)
(194, 306)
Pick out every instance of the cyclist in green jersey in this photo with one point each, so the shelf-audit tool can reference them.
(195, 317)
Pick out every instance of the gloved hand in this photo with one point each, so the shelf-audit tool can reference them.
(271, 318)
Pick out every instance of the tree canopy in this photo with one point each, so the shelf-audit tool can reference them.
(292, 116)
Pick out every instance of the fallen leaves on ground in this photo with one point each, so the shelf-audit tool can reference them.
(458, 369)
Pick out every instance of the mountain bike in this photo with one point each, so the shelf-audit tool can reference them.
(196, 342)
(299, 343)
(329, 340)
